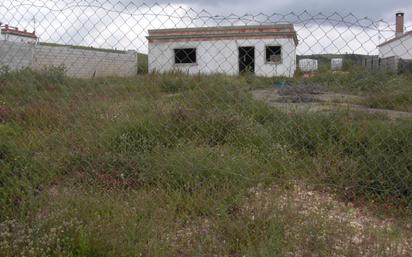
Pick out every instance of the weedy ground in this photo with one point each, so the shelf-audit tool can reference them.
(176, 165)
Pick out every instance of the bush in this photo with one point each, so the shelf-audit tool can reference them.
(142, 63)
(54, 74)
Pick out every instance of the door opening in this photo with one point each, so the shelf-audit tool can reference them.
(246, 59)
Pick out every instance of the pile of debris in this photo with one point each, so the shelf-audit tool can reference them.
(301, 94)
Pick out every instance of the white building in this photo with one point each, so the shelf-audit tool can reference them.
(399, 46)
(308, 65)
(13, 34)
(268, 50)
(336, 63)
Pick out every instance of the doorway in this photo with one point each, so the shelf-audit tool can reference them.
(246, 59)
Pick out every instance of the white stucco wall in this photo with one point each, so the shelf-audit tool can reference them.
(14, 38)
(222, 56)
(401, 48)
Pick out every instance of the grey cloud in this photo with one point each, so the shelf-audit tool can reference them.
(373, 9)
(124, 26)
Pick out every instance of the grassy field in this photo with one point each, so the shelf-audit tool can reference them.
(175, 165)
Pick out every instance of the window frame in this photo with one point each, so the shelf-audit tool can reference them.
(273, 62)
(184, 63)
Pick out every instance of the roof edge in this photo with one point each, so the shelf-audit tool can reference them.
(207, 32)
(18, 33)
(194, 29)
(395, 38)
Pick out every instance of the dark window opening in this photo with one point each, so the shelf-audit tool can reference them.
(185, 55)
(246, 59)
(274, 54)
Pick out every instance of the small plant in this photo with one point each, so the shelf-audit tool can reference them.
(142, 63)
(171, 86)
(54, 74)
(4, 70)
(5, 114)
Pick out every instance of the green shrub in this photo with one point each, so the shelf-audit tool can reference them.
(54, 74)
(142, 63)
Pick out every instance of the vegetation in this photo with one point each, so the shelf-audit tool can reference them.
(176, 165)
(379, 89)
(142, 63)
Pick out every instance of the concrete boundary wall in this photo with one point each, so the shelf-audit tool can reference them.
(16, 55)
(373, 63)
(82, 63)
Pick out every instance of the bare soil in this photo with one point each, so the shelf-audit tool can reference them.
(317, 99)
(354, 227)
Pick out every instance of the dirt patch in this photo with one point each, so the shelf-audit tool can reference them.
(355, 227)
(315, 222)
(317, 99)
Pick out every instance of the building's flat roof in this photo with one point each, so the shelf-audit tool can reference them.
(396, 38)
(224, 32)
(15, 31)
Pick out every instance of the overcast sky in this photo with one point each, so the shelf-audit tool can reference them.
(123, 26)
(375, 9)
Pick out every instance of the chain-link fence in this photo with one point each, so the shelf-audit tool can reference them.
(161, 130)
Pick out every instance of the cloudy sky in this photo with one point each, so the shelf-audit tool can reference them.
(375, 9)
(124, 25)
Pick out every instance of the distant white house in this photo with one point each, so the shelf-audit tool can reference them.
(399, 46)
(13, 34)
(336, 63)
(268, 50)
(308, 65)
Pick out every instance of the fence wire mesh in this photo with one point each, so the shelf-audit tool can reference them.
(161, 130)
